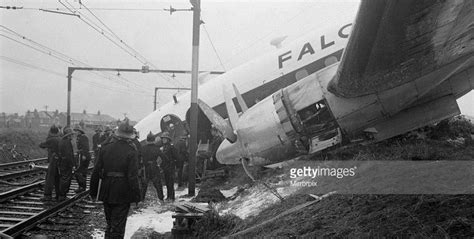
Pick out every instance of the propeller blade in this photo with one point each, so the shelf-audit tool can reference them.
(220, 123)
(231, 111)
(240, 99)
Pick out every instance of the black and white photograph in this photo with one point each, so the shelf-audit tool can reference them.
(236, 119)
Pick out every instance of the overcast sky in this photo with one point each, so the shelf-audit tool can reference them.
(238, 30)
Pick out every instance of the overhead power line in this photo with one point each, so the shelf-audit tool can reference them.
(213, 47)
(61, 56)
(95, 84)
(110, 35)
(102, 9)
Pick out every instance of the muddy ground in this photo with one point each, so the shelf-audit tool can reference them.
(255, 213)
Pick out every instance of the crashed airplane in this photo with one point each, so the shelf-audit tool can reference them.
(405, 64)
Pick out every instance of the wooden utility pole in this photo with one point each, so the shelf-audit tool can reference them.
(194, 96)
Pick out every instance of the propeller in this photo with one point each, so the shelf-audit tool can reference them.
(227, 127)
(229, 105)
(220, 123)
(240, 99)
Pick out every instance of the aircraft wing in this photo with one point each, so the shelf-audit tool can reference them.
(397, 41)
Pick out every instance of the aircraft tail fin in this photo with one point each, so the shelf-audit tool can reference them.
(231, 111)
(240, 99)
(220, 123)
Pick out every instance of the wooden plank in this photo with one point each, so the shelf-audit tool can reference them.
(182, 208)
(11, 219)
(18, 213)
(29, 198)
(196, 207)
(27, 202)
(23, 208)
(5, 225)
(187, 215)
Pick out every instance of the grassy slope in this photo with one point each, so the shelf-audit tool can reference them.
(27, 141)
(355, 216)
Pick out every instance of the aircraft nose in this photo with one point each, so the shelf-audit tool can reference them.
(228, 153)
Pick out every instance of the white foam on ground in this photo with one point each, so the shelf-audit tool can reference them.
(253, 200)
(156, 217)
(149, 218)
(230, 192)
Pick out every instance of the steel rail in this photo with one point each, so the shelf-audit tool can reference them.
(21, 164)
(36, 211)
(5, 196)
(21, 174)
(32, 221)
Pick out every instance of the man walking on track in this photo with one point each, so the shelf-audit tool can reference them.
(84, 157)
(65, 163)
(96, 142)
(152, 158)
(52, 175)
(114, 180)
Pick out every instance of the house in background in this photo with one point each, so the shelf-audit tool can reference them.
(11, 120)
(36, 119)
(88, 120)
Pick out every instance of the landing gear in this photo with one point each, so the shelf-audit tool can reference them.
(245, 164)
(272, 190)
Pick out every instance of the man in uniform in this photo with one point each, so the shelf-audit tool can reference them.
(96, 142)
(84, 157)
(141, 166)
(66, 162)
(170, 156)
(52, 177)
(152, 158)
(115, 180)
(182, 148)
(107, 134)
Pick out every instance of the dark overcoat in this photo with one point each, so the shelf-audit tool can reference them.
(116, 158)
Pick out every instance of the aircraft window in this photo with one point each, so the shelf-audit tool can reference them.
(301, 74)
(330, 60)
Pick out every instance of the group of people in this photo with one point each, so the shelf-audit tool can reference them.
(63, 164)
(123, 167)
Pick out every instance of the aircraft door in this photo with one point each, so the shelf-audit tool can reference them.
(319, 126)
(310, 115)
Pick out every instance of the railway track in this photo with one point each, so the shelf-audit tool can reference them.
(20, 173)
(21, 165)
(21, 209)
(22, 170)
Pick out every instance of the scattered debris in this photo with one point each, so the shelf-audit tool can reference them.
(209, 195)
(186, 215)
